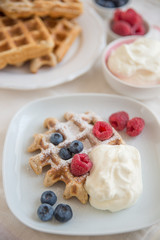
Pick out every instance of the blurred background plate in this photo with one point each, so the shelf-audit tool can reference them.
(79, 59)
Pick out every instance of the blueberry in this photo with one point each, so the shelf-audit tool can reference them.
(76, 146)
(65, 154)
(105, 3)
(45, 212)
(109, 4)
(63, 212)
(49, 197)
(120, 3)
(56, 138)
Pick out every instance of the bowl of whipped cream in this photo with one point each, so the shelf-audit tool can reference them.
(131, 66)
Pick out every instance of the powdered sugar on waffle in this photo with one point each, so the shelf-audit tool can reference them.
(71, 132)
(76, 127)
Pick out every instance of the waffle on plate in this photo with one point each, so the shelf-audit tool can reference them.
(63, 32)
(75, 127)
(22, 40)
(54, 8)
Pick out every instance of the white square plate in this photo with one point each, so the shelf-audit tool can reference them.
(23, 187)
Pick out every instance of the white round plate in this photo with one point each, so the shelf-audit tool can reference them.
(23, 187)
(77, 61)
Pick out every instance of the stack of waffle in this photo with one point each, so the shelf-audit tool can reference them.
(39, 31)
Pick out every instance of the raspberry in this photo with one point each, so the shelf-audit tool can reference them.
(132, 17)
(121, 28)
(118, 15)
(102, 130)
(80, 164)
(135, 126)
(138, 29)
(119, 120)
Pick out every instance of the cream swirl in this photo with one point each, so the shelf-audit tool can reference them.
(115, 181)
(137, 63)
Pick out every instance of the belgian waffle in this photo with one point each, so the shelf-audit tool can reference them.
(21, 40)
(63, 32)
(76, 126)
(54, 8)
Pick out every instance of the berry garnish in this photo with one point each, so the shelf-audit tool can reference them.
(138, 29)
(120, 3)
(106, 3)
(102, 130)
(117, 15)
(128, 22)
(111, 3)
(45, 212)
(119, 120)
(121, 28)
(76, 146)
(63, 213)
(135, 126)
(48, 197)
(80, 164)
(65, 154)
(56, 138)
(132, 17)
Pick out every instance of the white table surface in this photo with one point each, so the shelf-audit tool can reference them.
(12, 100)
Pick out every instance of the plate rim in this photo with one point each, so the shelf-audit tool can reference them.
(68, 233)
(73, 75)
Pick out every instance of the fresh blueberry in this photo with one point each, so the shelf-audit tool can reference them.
(45, 212)
(105, 3)
(76, 146)
(56, 138)
(65, 154)
(120, 3)
(109, 4)
(49, 197)
(63, 212)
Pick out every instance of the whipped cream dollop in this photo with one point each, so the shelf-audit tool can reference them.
(137, 63)
(115, 180)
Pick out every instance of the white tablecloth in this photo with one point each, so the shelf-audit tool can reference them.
(93, 81)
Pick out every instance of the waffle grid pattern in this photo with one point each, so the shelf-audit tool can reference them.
(22, 40)
(54, 8)
(76, 126)
(63, 32)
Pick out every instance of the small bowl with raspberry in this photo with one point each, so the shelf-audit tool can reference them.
(105, 8)
(127, 23)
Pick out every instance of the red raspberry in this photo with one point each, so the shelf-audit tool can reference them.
(80, 164)
(135, 126)
(118, 15)
(119, 120)
(138, 29)
(132, 17)
(102, 130)
(121, 28)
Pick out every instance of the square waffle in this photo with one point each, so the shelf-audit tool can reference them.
(63, 32)
(75, 127)
(53, 8)
(21, 40)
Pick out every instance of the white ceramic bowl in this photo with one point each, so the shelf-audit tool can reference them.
(107, 13)
(120, 86)
(113, 36)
